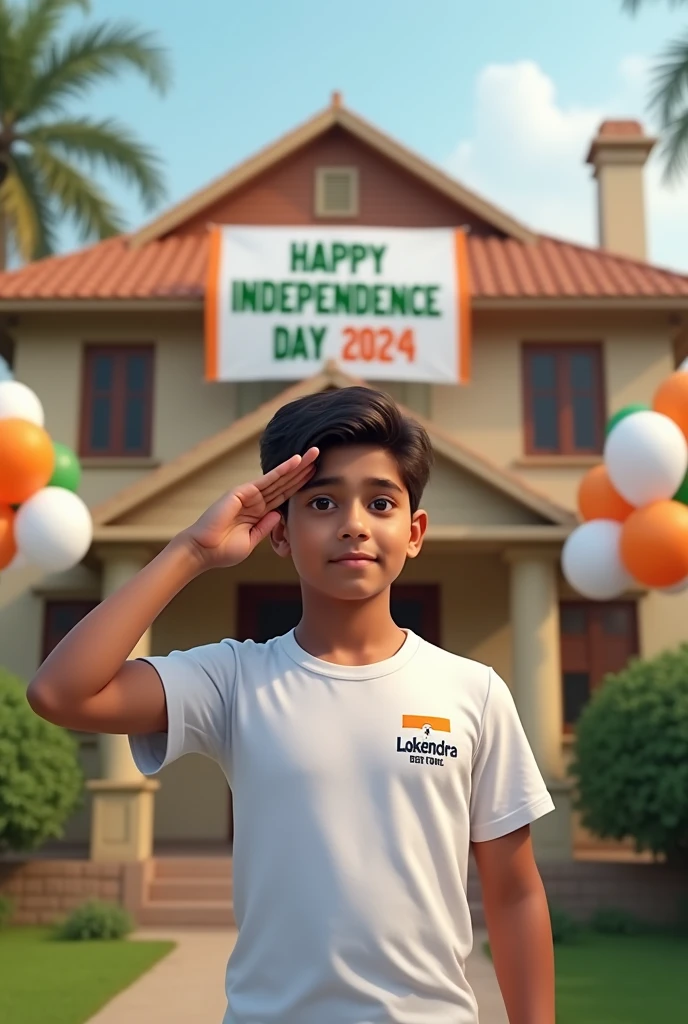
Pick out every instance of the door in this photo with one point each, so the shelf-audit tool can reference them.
(269, 610)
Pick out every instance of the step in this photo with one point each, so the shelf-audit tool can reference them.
(204, 890)
(182, 914)
(192, 867)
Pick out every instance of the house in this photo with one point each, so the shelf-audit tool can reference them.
(111, 338)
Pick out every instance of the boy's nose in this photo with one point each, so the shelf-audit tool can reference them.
(353, 526)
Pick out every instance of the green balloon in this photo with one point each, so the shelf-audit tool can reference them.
(67, 472)
(682, 493)
(627, 410)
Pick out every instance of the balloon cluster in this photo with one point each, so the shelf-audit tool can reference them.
(43, 522)
(635, 504)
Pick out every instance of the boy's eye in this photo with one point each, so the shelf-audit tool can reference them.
(322, 504)
(382, 505)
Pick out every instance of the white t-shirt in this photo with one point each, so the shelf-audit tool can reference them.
(357, 790)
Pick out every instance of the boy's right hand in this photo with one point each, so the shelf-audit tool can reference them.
(231, 528)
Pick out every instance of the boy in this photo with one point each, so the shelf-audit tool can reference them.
(363, 761)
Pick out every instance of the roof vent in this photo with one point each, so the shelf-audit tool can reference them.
(336, 192)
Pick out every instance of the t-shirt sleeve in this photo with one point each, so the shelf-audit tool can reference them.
(507, 790)
(198, 685)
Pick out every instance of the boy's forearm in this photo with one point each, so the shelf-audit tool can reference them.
(93, 652)
(521, 945)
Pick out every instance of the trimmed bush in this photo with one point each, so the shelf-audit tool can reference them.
(95, 920)
(565, 928)
(631, 757)
(613, 921)
(6, 911)
(41, 782)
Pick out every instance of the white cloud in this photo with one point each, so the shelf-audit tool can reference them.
(527, 154)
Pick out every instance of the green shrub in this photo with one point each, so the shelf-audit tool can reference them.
(565, 928)
(630, 761)
(40, 779)
(95, 920)
(6, 911)
(613, 921)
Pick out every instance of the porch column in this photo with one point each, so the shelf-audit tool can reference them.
(537, 689)
(122, 810)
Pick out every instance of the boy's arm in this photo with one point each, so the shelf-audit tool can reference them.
(86, 682)
(518, 924)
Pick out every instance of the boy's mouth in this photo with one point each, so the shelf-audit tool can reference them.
(354, 557)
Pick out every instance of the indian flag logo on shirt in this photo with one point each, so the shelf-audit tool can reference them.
(425, 750)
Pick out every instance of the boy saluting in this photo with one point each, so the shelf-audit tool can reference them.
(364, 762)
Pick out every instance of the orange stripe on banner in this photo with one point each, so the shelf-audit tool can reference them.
(212, 312)
(464, 310)
(418, 721)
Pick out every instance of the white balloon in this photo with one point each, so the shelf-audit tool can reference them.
(683, 367)
(53, 529)
(19, 402)
(591, 561)
(646, 457)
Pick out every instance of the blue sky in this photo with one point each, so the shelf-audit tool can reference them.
(504, 93)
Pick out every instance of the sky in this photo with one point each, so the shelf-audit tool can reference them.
(504, 94)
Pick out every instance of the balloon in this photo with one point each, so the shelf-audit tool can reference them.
(627, 410)
(683, 367)
(647, 457)
(677, 588)
(654, 544)
(27, 460)
(67, 472)
(671, 399)
(597, 499)
(18, 562)
(17, 402)
(54, 529)
(8, 546)
(591, 562)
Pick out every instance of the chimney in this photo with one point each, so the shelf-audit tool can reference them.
(618, 155)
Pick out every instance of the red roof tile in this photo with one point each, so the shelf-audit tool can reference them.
(175, 268)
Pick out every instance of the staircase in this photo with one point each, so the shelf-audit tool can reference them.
(187, 891)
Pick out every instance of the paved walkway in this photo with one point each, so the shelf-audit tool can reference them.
(187, 987)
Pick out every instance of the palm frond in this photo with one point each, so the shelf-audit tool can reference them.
(674, 148)
(105, 143)
(93, 214)
(633, 6)
(34, 26)
(96, 53)
(26, 209)
(9, 63)
(669, 90)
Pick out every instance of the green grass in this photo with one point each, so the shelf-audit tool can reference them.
(622, 980)
(49, 982)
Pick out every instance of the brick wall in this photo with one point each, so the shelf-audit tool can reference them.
(44, 891)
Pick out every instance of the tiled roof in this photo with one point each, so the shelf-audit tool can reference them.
(175, 268)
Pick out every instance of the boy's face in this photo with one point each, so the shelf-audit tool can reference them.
(350, 530)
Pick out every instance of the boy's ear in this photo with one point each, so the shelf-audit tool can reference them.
(419, 525)
(279, 538)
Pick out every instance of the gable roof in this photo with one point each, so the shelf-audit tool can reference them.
(161, 480)
(336, 115)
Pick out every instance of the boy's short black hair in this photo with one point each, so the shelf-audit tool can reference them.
(348, 416)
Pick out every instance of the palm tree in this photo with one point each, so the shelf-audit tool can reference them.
(669, 97)
(46, 152)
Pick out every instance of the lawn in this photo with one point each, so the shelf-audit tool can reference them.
(48, 982)
(622, 980)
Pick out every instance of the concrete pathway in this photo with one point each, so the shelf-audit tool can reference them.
(187, 987)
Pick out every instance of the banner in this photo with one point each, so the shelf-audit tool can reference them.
(383, 303)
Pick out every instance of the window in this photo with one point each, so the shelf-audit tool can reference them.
(595, 640)
(117, 400)
(60, 618)
(563, 399)
(336, 192)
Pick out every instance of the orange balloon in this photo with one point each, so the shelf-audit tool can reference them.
(598, 499)
(27, 460)
(671, 399)
(654, 544)
(8, 546)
